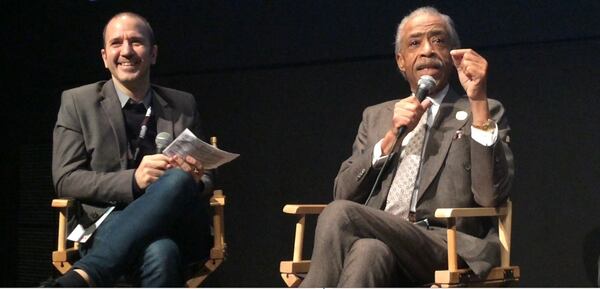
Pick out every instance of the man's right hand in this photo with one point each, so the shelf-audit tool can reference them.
(407, 112)
(151, 168)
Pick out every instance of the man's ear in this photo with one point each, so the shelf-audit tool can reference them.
(103, 54)
(154, 53)
(400, 62)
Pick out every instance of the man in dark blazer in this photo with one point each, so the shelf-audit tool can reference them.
(104, 155)
(465, 162)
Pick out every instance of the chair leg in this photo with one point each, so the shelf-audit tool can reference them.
(451, 237)
(209, 267)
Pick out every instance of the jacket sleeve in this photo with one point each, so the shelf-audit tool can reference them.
(493, 169)
(356, 175)
(71, 159)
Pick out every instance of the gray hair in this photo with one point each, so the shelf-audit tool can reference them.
(428, 10)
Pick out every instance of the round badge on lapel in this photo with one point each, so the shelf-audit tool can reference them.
(461, 115)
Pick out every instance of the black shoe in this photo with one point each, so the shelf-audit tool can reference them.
(71, 279)
(49, 283)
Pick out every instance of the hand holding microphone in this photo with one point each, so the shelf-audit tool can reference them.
(154, 166)
(408, 112)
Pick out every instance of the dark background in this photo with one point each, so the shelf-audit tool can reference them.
(284, 83)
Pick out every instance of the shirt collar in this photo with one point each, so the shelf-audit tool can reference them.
(124, 98)
(436, 100)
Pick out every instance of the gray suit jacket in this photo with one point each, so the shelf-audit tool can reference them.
(89, 158)
(456, 172)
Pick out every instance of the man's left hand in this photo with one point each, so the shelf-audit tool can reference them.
(189, 165)
(472, 72)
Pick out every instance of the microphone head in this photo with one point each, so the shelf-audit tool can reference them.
(426, 82)
(163, 139)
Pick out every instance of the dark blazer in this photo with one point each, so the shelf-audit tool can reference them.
(456, 172)
(89, 158)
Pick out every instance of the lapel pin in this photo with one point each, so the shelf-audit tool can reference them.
(458, 134)
(461, 115)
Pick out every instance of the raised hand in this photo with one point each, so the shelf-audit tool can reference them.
(472, 72)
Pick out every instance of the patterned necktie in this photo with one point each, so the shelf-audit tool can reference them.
(403, 185)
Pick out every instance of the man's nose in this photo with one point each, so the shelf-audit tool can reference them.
(126, 48)
(426, 48)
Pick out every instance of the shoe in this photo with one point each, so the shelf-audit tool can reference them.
(49, 283)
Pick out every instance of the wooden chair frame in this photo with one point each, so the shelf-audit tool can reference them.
(292, 271)
(505, 274)
(63, 257)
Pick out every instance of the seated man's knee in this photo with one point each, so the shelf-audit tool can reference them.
(335, 215)
(176, 181)
(162, 252)
(161, 264)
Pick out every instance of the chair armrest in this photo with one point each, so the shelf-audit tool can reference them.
(303, 209)
(62, 203)
(297, 264)
(470, 212)
(61, 258)
(218, 199)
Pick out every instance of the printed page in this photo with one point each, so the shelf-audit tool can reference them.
(188, 144)
(81, 234)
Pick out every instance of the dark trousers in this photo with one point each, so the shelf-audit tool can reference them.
(358, 246)
(151, 238)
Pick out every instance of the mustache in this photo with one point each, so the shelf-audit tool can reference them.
(429, 63)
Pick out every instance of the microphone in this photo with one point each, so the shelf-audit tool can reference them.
(425, 85)
(163, 139)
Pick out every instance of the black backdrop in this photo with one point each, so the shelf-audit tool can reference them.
(284, 83)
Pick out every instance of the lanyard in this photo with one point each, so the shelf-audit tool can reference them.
(143, 130)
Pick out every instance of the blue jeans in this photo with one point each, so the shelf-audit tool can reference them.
(153, 237)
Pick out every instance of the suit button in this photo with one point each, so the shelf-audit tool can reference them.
(467, 167)
(94, 215)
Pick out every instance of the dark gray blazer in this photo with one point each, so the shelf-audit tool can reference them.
(456, 172)
(89, 158)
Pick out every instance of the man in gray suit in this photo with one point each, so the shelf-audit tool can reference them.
(462, 160)
(104, 155)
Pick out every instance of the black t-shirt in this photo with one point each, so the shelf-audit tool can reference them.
(134, 114)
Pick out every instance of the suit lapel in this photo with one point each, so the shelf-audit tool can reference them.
(112, 110)
(442, 132)
(163, 113)
(388, 177)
